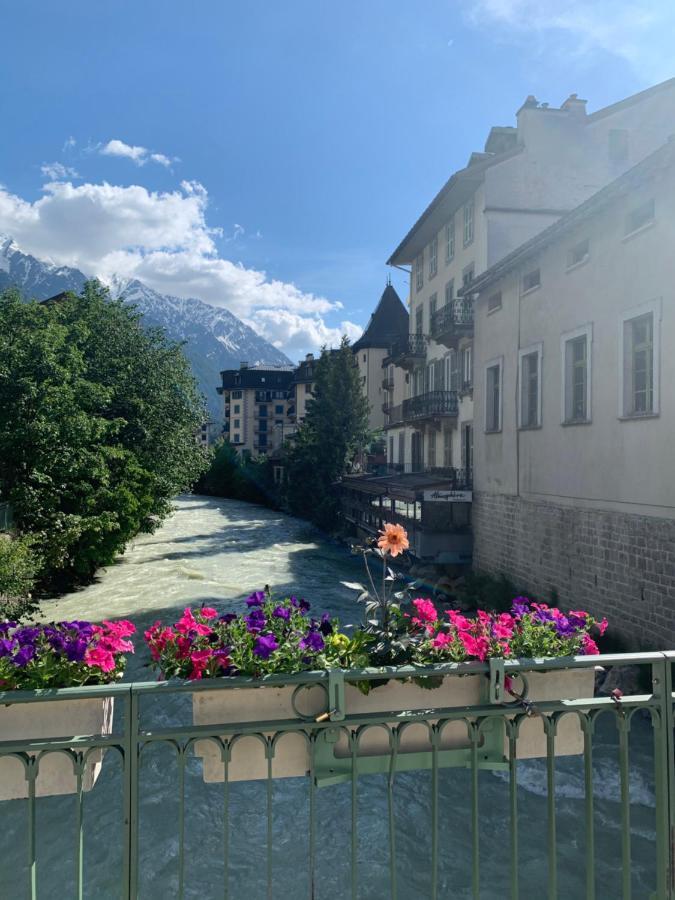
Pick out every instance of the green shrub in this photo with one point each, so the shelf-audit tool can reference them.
(19, 566)
(484, 591)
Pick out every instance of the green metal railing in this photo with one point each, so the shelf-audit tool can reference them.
(133, 737)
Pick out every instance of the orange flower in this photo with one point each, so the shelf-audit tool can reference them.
(393, 539)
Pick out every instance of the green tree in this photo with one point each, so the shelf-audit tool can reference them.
(97, 422)
(335, 428)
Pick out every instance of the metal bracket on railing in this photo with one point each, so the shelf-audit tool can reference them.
(497, 677)
(336, 697)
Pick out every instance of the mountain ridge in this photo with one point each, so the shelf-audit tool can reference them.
(215, 338)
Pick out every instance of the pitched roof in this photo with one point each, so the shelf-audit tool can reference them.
(389, 321)
(660, 159)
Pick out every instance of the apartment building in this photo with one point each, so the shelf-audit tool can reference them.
(302, 388)
(575, 418)
(528, 177)
(258, 401)
(388, 324)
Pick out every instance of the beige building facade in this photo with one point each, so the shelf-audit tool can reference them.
(575, 423)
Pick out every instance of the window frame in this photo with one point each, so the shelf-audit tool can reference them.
(587, 332)
(533, 287)
(468, 222)
(419, 271)
(654, 308)
(497, 362)
(571, 265)
(450, 283)
(629, 232)
(494, 307)
(450, 240)
(433, 257)
(537, 348)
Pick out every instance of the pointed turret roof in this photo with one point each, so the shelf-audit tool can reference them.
(387, 323)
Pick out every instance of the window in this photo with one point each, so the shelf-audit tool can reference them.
(467, 275)
(450, 240)
(576, 367)
(449, 290)
(468, 223)
(433, 257)
(236, 395)
(640, 362)
(577, 254)
(391, 450)
(262, 425)
(236, 439)
(530, 386)
(493, 396)
(237, 423)
(419, 319)
(401, 448)
(433, 305)
(237, 407)
(262, 410)
(618, 144)
(419, 271)
(531, 280)
(447, 449)
(494, 302)
(640, 217)
(467, 367)
(452, 371)
(279, 410)
(432, 449)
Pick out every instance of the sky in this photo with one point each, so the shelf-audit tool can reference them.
(268, 157)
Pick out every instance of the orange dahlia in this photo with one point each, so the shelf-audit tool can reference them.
(393, 539)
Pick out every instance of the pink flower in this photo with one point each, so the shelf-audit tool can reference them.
(441, 641)
(459, 621)
(200, 660)
(123, 628)
(503, 627)
(116, 645)
(602, 626)
(588, 646)
(477, 647)
(425, 610)
(188, 623)
(103, 659)
(208, 612)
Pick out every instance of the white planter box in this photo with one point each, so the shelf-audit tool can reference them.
(292, 756)
(52, 719)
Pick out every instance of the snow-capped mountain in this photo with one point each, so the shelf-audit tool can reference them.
(215, 338)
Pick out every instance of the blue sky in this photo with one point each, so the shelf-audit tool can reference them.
(269, 156)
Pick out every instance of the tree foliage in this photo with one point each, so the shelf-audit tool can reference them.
(335, 428)
(97, 423)
(231, 476)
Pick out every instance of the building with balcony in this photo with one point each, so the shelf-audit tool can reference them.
(388, 325)
(575, 424)
(302, 387)
(257, 402)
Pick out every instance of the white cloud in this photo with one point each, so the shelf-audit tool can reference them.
(56, 171)
(638, 31)
(138, 155)
(163, 238)
(69, 143)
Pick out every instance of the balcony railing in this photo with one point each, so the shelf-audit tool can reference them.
(387, 383)
(452, 322)
(409, 350)
(456, 478)
(433, 405)
(118, 839)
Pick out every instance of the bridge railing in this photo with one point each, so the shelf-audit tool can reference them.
(307, 831)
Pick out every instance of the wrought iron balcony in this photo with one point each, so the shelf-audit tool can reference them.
(452, 322)
(409, 350)
(433, 405)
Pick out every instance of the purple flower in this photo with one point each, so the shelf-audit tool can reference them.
(228, 617)
(257, 598)
(76, 649)
(312, 641)
(6, 627)
(265, 645)
(282, 612)
(23, 655)
(326, 626)
(302, 605)
(255, 620)
(564, 627)
(27, 635)
(7, 647)
(521, 606)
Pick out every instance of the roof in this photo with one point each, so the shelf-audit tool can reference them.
(57, 298)
(454, 193)
(629, 101)
(661, 158)
(406, 487)
(388, 322)
(265, 379)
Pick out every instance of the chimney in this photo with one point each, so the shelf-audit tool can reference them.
(243, 364)
(574, 105)
(309, 357)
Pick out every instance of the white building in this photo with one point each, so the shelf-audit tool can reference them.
(527, 178)
(575, 417)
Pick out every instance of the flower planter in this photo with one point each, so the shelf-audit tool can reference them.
(56, 770)
(333, 753)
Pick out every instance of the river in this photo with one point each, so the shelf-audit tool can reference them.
(217, 552)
